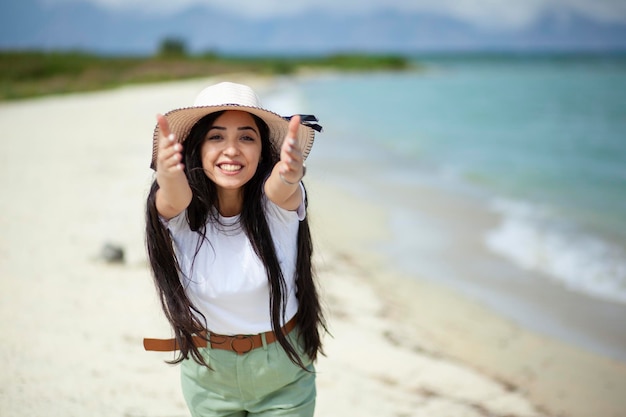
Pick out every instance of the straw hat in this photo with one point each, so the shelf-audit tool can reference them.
(231, 96)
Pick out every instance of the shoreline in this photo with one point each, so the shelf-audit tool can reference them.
(438, 233)
(441, 320)
(73, 324)
(529, 298)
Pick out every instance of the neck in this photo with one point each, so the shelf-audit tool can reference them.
(230, 202)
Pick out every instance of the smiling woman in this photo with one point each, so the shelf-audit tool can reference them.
(230, 155)
(230, 251)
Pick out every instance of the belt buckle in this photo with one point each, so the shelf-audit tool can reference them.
(238, 338)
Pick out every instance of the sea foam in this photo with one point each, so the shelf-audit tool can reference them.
(535, 239)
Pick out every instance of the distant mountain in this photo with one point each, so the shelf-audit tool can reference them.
(31, 24)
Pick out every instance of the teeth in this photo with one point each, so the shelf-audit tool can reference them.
(230, 168)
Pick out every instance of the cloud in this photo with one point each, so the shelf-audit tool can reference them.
(485, 13)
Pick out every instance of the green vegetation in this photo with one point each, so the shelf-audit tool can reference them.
(172, 48)
(36, 73)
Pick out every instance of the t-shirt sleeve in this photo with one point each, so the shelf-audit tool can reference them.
(287, 216)
(175, 223)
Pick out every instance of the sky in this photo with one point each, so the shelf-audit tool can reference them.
(314, 26)
(512, 14)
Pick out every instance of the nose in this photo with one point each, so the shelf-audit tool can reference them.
(231, 148)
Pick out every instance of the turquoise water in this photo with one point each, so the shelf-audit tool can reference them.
(542, 139)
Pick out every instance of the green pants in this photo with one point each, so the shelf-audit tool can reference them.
(260, 383)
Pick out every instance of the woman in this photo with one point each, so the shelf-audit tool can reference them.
(230, 250)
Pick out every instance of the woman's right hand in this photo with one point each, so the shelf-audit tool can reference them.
(174, 194)
(169, 151)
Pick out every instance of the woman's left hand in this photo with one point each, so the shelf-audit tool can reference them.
(282, 187)
(291, 166)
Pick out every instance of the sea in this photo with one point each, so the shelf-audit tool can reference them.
(538, 139)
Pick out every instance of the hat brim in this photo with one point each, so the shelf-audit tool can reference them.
(182, 120)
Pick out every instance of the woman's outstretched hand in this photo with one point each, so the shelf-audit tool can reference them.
(174, 194)
(282, 187)
(291, 166)
(169, 151)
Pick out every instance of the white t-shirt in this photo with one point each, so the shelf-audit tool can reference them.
(226, 280)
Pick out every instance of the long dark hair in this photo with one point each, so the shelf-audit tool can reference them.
(180, 312)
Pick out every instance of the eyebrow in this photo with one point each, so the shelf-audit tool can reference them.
(239, 128)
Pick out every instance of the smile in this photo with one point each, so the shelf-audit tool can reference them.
(230, 167)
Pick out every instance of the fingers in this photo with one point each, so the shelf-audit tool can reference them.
(164, 126)
(291, 158)
(169, 153)
(291, 154)
(294, 124)
(169, 157)
(289, 151)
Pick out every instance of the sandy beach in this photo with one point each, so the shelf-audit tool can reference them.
(74, 172)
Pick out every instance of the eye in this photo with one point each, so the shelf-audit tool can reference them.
(246, 138)
(214, 137)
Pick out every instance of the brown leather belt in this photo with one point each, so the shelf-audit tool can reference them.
(238, 343)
